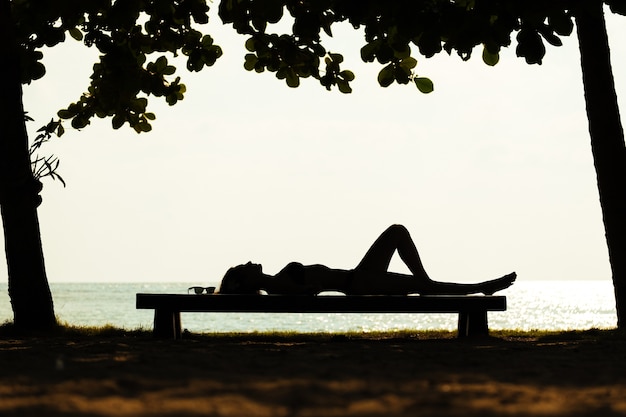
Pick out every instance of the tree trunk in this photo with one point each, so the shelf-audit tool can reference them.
(607, 140)
(19, 196)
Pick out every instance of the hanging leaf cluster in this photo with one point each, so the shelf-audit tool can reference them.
(394, 31)
(132, 37)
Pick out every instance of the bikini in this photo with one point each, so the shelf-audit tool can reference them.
(296, 272)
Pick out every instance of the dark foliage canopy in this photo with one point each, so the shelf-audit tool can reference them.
(129, 33)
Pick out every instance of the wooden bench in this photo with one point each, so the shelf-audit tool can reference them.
(472, 310)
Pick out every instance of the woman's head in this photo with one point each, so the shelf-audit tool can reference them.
(242, 279)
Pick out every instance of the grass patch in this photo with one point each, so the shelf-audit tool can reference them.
(548, 334)
(290, 336)
(106, 331)
(541, 336)
(64, 329)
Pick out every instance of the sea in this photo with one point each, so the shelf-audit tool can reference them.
(532, 305)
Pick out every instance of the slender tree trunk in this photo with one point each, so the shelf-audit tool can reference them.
(607, 140)
(19, 195)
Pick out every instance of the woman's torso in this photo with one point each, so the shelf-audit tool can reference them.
(299, 279)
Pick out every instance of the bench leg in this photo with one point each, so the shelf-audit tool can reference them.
(473, 323)
(167, 324)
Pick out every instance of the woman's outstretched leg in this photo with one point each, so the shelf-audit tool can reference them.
(450, 288)
(396, 237)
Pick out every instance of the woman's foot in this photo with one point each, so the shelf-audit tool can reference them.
(490, 287)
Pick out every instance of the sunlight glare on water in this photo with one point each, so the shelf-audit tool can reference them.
(558, 305)
(541, 305)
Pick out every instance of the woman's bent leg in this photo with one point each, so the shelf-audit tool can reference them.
(396, 237)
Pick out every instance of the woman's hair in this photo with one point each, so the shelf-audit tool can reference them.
(240, 280)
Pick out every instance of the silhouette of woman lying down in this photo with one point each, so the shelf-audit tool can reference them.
(370, 277)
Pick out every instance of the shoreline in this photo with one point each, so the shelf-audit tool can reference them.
(123, 373)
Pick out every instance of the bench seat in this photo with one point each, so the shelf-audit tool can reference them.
(472, 310)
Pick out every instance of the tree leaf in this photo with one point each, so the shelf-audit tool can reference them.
(386, 76)
(251, 44)
(408, 63)
(144, 126)
(66, 114)
(37, 71)
(401, 51)
(344, 87)
(561, 23)
(207, 41)
(337, 58)
(549, 36)
(76, 34)
(273, 10)
(368, 52)
(530, 46)
(79, 122)
(489, 58)
(347, 75)
(160, 64)
(117, 121)
(292, 78)
(425, 85)
(250, 62)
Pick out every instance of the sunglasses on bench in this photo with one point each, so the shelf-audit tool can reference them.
(201, 290)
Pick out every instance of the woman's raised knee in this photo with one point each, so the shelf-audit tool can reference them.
(398, 229)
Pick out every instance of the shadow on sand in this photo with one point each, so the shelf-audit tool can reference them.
(568, 374)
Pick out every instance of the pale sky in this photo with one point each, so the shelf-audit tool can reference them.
(491, 173)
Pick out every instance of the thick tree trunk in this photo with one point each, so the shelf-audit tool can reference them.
(19, 196)
(607, 140)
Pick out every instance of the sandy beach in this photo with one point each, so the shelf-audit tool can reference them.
(567, 374)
